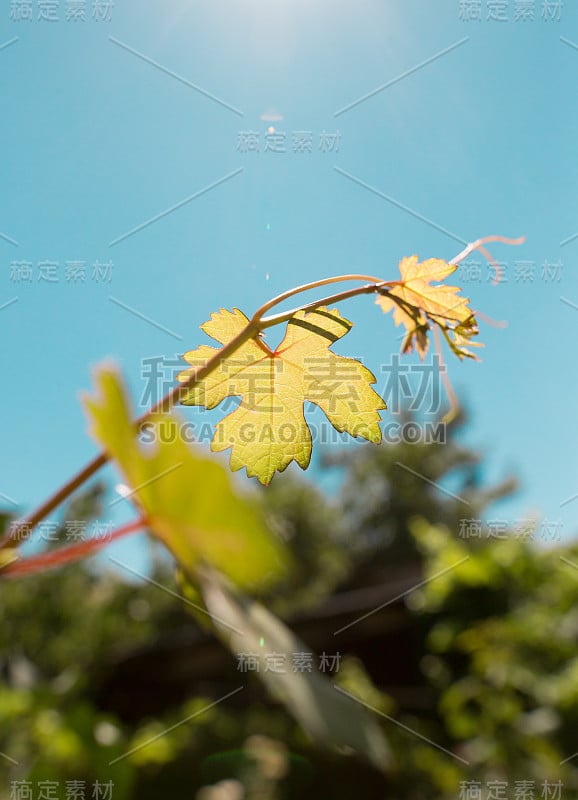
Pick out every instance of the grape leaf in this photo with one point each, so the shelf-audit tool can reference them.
(416, 303)
(268, 429)
(186, 497)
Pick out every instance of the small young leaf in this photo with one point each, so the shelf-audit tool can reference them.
(460, 337)
(416, 303)
(268, 430)
(186, 498)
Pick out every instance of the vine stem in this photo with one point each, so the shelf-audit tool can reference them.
(67, 555)
(254, 327)
(479, 245)
(306, 287)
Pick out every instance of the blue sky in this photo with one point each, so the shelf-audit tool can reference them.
(468, 128)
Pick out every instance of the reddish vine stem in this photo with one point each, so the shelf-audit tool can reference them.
(256, 325)
(67, 555)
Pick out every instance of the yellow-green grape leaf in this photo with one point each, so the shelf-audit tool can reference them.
(268, 429)
(186, 497)
(416, 301)
(331, 717)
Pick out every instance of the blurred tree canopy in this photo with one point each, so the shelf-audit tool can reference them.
(460, 637)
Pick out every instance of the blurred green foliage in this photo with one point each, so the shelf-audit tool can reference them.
(494, 627)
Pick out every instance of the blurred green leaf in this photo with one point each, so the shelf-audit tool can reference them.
(326, 714)
(187, 499)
